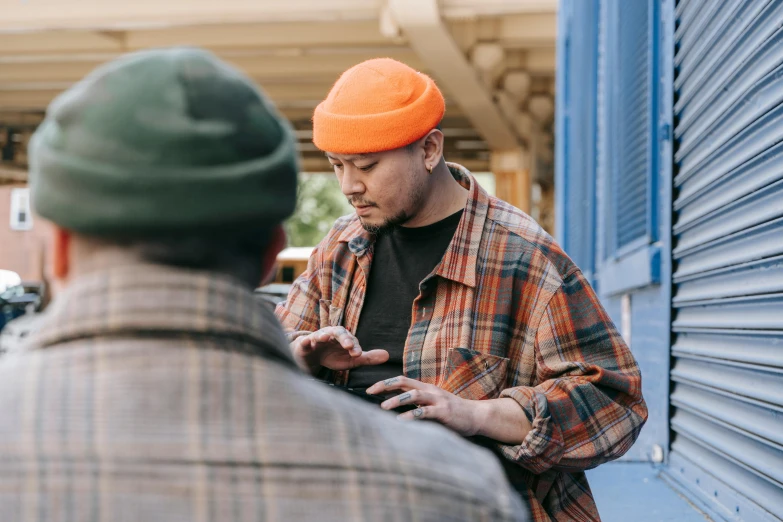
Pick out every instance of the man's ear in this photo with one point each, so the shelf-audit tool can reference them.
(433, 148)
(277, 242)
(61, 252)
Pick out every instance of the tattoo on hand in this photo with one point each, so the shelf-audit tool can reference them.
(418, 412)
(389, 382)
(404, 397)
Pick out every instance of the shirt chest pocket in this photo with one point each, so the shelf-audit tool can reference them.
(329, 315)
(475, 375)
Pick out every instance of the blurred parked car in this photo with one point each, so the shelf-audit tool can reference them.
(16, 299)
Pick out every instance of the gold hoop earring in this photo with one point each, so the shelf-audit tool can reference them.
(430, 169)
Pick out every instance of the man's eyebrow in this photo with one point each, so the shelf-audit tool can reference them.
(352, 157)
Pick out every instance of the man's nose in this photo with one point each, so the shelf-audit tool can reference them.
(350, 184)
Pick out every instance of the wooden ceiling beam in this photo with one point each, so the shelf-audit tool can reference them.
(287, 95)
(259, 65)
(91, 14)
(358, 33)
(256, 36)
(484, 8)
(50, 42)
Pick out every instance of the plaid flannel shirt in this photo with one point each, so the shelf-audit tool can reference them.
(149, 393)
(506, 313)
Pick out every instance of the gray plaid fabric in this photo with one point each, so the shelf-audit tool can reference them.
(147, 393)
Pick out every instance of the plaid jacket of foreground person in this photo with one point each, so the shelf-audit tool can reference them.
(505, 314)
(149, 394)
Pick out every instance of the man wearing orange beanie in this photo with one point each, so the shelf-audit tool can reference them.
(453, 306)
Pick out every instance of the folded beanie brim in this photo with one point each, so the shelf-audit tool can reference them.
(110, 199)
(367, 133)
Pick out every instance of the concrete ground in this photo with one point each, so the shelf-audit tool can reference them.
(633, 492)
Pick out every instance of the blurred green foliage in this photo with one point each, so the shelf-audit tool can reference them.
(319, 203)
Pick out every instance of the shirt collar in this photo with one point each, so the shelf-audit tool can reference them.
(461, 257)
(157, 301)
(459, 261)
(358, 239)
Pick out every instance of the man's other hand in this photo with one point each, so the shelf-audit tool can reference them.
(432, 403)
(334, 348)
(502, 420)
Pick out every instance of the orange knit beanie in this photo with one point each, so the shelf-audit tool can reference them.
(378, 105)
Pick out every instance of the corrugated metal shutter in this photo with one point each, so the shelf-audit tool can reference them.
(577, 101)
(727, 394)
(631, 70)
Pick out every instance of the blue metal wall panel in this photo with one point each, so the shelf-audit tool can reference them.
(647, 286)
(576, 120)
(727, 377)
(586, 123)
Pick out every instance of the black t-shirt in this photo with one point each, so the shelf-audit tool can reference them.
(401, 260)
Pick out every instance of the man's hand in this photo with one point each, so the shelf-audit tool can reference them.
(431, 402)
(334, 348)
(502, 420)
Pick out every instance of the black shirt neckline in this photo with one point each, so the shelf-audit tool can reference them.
(451, 221)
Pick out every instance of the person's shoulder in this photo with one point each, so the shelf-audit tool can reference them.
(523, 237)
(443, 466)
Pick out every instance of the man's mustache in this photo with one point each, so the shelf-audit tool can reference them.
(361, 203)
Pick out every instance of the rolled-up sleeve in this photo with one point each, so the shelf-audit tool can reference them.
(587, 407)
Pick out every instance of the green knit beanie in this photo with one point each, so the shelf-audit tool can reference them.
(162, 141)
